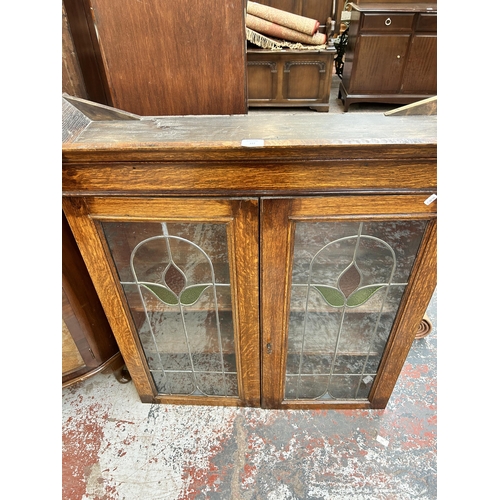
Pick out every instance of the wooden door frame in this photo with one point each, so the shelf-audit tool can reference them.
(278, 217)
(241, 216)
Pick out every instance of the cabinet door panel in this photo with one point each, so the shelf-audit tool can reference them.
(157, 58)
(304, 79)
(348, 279)
(187, 285)
(421, 69)
(262, 79)
(380, 63)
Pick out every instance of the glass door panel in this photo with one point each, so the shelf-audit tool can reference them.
(347, 282)
(176, 280)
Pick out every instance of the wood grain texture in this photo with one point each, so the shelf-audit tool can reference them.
(341, 207)
(402, 5)
(244, 253)
(391, 53)
(241, 217)
(288, 130)
(86, 47)
(72, 77)
(290, 78)
(216, 179)
(171, 58)
(220, 138)
(178, 209)
(420, 75)
(278, 217)
(196, 169)
(275, 250)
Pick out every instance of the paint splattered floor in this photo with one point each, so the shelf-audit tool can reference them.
(117, 448)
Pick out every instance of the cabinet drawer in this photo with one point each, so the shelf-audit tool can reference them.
(427, 22)
(387, 22)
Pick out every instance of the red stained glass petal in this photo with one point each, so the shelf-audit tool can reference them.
(349, 280)
(174, 279)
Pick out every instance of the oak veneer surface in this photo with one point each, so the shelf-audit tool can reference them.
(204, 155)
(285, 131)
(226, 132)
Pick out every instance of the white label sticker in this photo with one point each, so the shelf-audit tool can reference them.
(367, 379)
(382, 440)
(432, 197)
(252, 143)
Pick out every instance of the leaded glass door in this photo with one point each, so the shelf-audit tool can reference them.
(179, 280)
(345, 269)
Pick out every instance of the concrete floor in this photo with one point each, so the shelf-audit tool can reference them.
(117, 448)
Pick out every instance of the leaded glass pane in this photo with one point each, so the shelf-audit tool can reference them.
(175, 277)
(348, 279)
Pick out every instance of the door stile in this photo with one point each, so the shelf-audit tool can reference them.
(244, 253)
(418, 294)
(276, 245)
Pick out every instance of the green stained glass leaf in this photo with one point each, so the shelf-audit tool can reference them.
(191, 294)
(332, 296)
(162, 293)
(362, 295)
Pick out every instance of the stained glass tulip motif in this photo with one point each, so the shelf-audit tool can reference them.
(349, 293)
(173, 290)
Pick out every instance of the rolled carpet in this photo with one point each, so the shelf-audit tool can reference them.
(283, 18)
(278, 31)
(265, 42)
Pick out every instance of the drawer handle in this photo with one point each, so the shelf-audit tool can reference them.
(388, 21)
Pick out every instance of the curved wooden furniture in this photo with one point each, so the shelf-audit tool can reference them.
(88, 344)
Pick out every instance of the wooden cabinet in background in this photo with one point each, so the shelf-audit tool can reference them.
(292, 78)
(291, 274)
(391, 55)
(183, 57)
